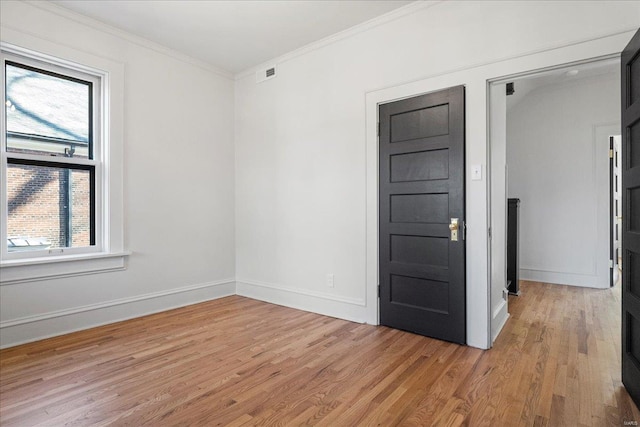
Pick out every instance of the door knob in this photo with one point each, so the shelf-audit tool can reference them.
(454, 226)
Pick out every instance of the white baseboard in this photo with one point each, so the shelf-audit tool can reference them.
(352, 309)
(498, 320)
(36, 327)
(571, 279)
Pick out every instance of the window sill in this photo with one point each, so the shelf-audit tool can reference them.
(33, 269)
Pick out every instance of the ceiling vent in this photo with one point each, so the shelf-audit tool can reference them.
(265, 74)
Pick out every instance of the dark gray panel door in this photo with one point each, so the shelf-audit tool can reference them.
(630, 77)
(422, 270)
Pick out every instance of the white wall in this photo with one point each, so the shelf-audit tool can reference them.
(178, 185)
(306, 153)
(559, 168)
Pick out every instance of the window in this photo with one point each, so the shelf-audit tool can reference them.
(51, 159)
(61, 161)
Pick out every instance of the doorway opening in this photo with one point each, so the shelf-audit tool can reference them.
(549, 145)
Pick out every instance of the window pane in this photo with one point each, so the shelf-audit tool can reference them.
(49, 207)
(46, 114)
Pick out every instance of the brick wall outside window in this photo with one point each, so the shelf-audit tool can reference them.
(38, 206)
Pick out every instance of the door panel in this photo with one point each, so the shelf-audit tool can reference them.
(634, 141)
(417, 292)
(422, 271)
(420, 250)
(420, 166)
(420, 208)
(630, 77)
(422, 123)
(632, 271)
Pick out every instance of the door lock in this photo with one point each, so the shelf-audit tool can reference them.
(454, 226)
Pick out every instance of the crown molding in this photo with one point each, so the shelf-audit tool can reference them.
(344, 34)
(124, 35)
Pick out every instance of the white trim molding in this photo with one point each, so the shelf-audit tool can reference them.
(344, 34)
(45, 325)
(560, 278)
(352, 309)
(499, 319)
(22, 271)
(129, 37)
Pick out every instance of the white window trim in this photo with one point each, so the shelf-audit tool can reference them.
(111, 254)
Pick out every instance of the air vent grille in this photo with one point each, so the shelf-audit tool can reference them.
(265, 74)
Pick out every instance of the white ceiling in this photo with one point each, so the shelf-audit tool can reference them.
(564, 75)
(232, 35)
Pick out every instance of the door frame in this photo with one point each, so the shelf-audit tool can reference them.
(373, 100)
(614, 217)
(475, 79)
(491, 142)
(612, 220)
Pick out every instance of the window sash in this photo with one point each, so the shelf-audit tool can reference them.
(92, 202)
(72, 78)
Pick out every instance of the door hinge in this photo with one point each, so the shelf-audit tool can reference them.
(611, 153)
(378, 291)
(489, 232)
(378, 129)
(610, 263)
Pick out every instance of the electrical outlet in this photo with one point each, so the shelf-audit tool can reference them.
(330, 280)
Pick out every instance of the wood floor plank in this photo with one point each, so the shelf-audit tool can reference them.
(242, 362)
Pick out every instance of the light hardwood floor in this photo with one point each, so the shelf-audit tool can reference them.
(237, 361)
